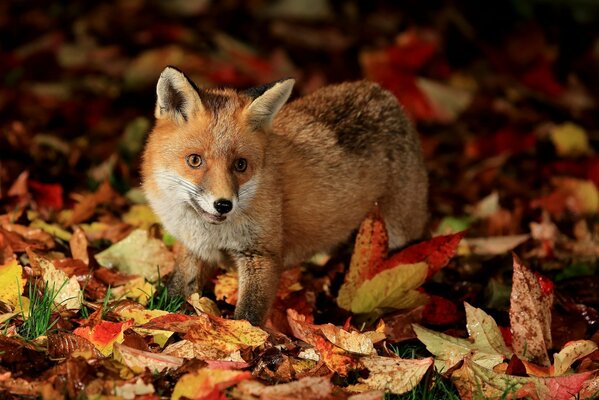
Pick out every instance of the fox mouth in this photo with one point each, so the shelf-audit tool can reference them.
(209, 217)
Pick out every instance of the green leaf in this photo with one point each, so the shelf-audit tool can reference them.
(450, 350)
(483, 329)
(392, 288)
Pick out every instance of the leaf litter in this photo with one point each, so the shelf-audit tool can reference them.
(511, 150)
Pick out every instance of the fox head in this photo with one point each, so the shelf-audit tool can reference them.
(206, 151)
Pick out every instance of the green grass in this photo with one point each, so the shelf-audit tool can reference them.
(40, 311)
(162, 300)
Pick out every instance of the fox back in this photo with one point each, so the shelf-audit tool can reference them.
(240, 177)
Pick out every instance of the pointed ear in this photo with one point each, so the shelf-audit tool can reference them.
(268, 100)
(177, 97)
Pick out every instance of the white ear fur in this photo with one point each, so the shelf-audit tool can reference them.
(177, 99)
(263, 109)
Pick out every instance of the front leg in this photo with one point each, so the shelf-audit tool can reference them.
(258, 282)
(190, 274)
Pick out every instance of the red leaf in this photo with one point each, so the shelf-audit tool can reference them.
(47, 194)
(436, 252)
(440, 311)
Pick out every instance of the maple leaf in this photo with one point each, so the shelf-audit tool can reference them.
(474, 381)
(335, 358)
(104, 334)
(394, 374)
(530, 316)
(138, 254)
(206, 383)
(486, 348)
(373, 281)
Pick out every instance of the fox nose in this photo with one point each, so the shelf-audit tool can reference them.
(223, 206)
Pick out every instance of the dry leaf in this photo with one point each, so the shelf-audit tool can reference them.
(530, 316)
(139, 360)
(78, 244)
(394, 375)
(207, 384)
(138, 254)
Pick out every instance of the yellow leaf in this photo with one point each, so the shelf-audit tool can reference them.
(392, 288)
(138, 254)
(141, 216)
(483, 329)
(104, 335)
(570, 140)
(137, 289)
(67, 292)
(571, 352)
(203, 305)
(11, 282)
(52, 229)
(207, 383)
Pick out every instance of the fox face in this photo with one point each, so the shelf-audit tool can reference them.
(204, 158)
(210, 164)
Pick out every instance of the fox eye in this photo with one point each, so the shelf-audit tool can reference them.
(194, 160)
(240, 164)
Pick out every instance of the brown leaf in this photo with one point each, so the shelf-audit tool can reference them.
(398, 327)
(530, 316)
(309, 388)
(86, 206)
(62, 344)
(78, 244)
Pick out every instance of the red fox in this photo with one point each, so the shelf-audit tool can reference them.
(238, 176)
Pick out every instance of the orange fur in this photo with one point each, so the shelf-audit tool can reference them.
(314, 170)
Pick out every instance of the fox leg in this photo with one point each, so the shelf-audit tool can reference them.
(190, 274)
(258, 282)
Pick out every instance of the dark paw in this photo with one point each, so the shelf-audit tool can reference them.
(178, 286)
(254, 317)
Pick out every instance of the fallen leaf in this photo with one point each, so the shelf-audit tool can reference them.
(353, 342)
(46, 194)
(369, 250)
(530, 316)
(449, 350)
(104, 335)
(394, 375)
(571, 352)
(474, 381)
(494, 245)
(63, 344)
(66, 291)
(137, 289)
(391, 288)
(483, 329)
(53, 229)
(138, 360)
(203, 305)
(307, 388)
(435, 252)
(86, 206)
(202, 351)
(225, 287)
(140, 216)
(138, 254)
(207, 384)
(335, 358)
(11, 282)
(570, 140)
(78, 245)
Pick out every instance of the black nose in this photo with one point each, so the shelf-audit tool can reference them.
(223, 206)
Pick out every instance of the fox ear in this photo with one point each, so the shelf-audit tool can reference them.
(268, 100)
(177, 97)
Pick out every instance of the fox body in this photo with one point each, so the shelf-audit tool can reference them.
(240, 177)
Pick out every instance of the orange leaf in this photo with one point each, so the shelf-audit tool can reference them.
(104, 335)
(436, 252)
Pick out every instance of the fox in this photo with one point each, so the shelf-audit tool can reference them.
(245, 179)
